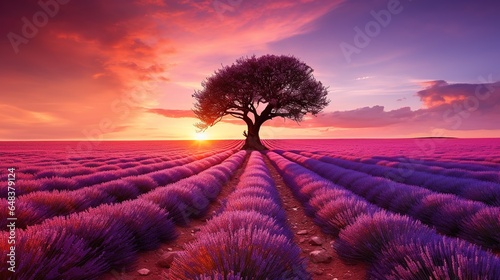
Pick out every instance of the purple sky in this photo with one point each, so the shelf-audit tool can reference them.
(127, 69)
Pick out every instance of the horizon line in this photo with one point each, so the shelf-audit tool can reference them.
(237, 139)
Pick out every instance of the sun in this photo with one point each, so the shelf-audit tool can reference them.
(200, 136)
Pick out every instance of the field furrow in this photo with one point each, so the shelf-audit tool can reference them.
(372, 209)
(371, 235)
(404, 166)
(249, 238)
(112, 234)
(472, 189)
(449, 214)
(88, 180)
(35, 207)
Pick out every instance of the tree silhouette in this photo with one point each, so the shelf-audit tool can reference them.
(257, 89)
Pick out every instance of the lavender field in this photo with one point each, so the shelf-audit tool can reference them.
(403, 209)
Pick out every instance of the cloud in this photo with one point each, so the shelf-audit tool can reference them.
(179, 114)
(448, 106)
(91, 55)
(98, 61)
(80, 67)
(364, 117)
(441, 93)
(173, 113)
(433, 84)
(359, 118)
(364, 78)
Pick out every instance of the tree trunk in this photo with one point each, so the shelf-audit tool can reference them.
(252, 142)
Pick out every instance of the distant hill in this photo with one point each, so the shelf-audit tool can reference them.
(431, 137)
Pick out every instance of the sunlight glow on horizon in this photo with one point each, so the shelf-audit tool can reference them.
(201, 136)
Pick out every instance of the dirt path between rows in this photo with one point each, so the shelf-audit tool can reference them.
(187, 234)
(298, 221)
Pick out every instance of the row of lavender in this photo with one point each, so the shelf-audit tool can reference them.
(43, 172)
(85, 168)
(77, 181)
(405, 169)
(394, 246)
(37, 163)
(480, 152)
(248, 239)
(436, 165)
(472, 189)
(35, 207)
(191, 197)
(87, 244)
(452, 215)
(415, 172)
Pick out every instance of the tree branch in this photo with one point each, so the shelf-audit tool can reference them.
(283, 115)
(238, 116)
(252, 108)
(233, 113)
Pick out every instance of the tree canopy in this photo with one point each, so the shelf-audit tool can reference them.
(257, 89)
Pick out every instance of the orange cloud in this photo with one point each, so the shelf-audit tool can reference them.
(463, 107)
(173, 113)
(98, 61)
(439, 93)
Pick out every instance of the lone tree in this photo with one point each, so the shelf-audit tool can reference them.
(258, 89)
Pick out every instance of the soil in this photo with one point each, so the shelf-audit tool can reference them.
(297, 221)
(186, 234)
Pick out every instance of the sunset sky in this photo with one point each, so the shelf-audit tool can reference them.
(123, 69)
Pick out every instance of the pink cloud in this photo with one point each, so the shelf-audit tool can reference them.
(467, 107)
(449, 106)
(106, 60)
(173, 113)
(101, 61)
(374, 116)
(440, 93)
